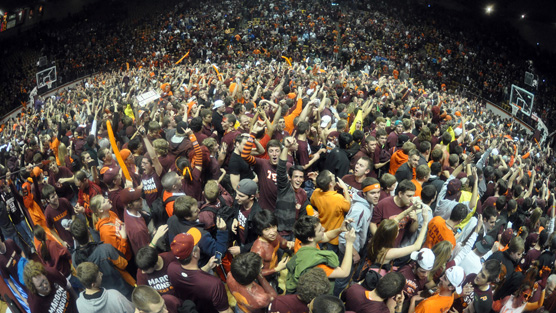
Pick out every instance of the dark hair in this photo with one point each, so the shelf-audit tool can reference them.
(324, 179)
(231, 118)
(328, 304)
(246, 267)
(446, 138)
(390, 285)
(79, 231)
(459, 212)
(146, 258)
(424, 146)
(263, 220)
(40, 234)
(405, 185)
(493, 268)
(295, 168)
(47, 190)
(344, 140)
(196, 124)
(304, 228)
(502, 186)
(302, 127)
(133, 144)
(489, 212)
(428, 193)
(501, 203)
(273, 144)
(358, 136)
(312, 284)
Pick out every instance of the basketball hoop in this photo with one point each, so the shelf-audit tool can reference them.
(49, 84)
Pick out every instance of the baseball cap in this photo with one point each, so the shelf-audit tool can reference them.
(398, 122)
(453, 190)
(506, 237)
(183, 243)
(125, 153)
(218, 104)
(128, 195)
(324, 121)
(458, 131)
(424, 257)
(247, 187)
(456, 276)
(484, 245)
(109, 175)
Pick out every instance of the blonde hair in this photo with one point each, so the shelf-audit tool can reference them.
(96, 203)
(62, 153)
(442, 252)
(32, 269)
(161, 146)
(211, 190)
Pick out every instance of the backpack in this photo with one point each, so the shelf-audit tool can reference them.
(224, 211)
(385, 155)
(158, 214)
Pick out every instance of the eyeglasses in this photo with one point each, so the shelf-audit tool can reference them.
(526, 295)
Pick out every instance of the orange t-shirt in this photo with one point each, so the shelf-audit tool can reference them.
(439, 231)
(418, 187)
(332, 208)
(435, 304)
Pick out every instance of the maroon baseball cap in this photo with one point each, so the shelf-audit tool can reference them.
(129, 195)
(454, 189)
(109, 175)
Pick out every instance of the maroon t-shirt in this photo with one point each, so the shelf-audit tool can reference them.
(8, 260)
(159, 280)
(60, 258)
(167, 163)
(288, 303)
(280, 135)
(302, 152)
(194, 188)
(229, 138)
(207, 291)
(267, 183)
(413, 284)
(152, 187)
(358, 300)
(58, 300)
(137, 231)
(118, 205)
(481, 300)
(55, 218)
(62, 190)
(383, 194)
(349, 179)
(388, 209)
(242, 223)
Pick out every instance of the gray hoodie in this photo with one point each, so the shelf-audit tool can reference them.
(109, 300)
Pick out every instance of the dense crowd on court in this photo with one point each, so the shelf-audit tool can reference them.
(295, 164)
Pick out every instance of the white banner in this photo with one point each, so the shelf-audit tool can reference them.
(147, 97)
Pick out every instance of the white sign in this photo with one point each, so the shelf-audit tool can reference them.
(147, 97)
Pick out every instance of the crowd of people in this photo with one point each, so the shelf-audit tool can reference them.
(298, 162)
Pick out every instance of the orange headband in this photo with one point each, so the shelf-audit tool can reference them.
(371, 187)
